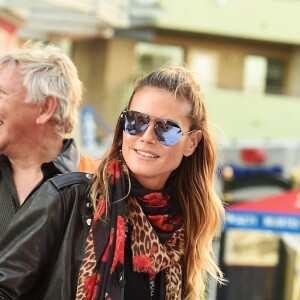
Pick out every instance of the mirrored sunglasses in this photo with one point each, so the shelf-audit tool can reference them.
(167, 132)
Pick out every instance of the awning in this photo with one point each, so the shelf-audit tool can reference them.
(279, 213)
(80, 19)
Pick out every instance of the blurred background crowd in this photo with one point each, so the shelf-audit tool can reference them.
(246, 55)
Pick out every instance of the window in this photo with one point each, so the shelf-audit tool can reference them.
(274, 80)
(263, 75)
(205, 64)
(255, 70)
(153, 56)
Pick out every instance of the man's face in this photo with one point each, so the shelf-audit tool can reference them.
(17, 118)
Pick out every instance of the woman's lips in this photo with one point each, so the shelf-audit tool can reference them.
(146, 154)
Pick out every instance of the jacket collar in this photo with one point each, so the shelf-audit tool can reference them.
(69, 158)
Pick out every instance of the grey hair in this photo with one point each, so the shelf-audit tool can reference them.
(47, 71)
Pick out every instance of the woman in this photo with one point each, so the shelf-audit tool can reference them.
(156, 209)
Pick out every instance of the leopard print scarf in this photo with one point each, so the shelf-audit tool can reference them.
(101, 275)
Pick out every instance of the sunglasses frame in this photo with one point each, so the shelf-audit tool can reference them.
(122, 117)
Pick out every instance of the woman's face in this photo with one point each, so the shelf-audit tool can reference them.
(150, 161)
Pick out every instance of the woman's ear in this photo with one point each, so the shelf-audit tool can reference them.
(47, 110)
(195, 138)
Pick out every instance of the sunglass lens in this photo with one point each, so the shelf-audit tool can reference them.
(167, 132)
(135, 122)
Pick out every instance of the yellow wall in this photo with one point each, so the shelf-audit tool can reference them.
(105, 67)
(270, 20)
(240, 115)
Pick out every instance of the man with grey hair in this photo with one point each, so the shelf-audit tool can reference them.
(40, 93)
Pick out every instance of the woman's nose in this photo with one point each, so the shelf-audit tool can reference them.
(149, 136)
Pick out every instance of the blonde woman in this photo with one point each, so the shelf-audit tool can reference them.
(157, 211)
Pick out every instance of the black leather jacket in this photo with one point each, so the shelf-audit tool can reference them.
(67, 161)
(43, 247)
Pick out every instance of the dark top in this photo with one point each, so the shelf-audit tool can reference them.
(66, 162)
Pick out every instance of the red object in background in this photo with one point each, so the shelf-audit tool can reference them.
(8, 36)
(253, 155)
(10, 28)
(285, 203)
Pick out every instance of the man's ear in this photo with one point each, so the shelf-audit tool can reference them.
(47, 110)
(195, 138)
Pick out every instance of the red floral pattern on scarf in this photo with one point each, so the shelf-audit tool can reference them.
(166, 223)
(114, 170)
(110, 243)
(142, 263)
(120, 243)
(156, 199)
(89, 285)
(101, 206)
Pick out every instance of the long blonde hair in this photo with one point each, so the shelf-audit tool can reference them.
(203, 211)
